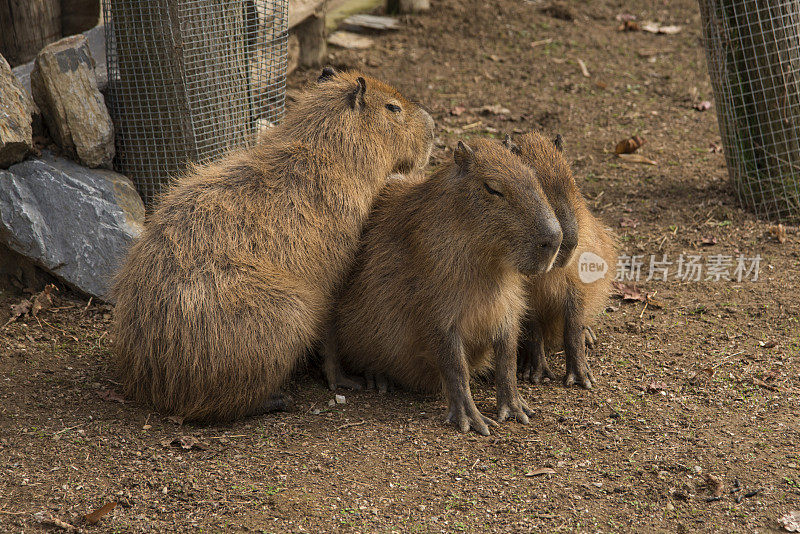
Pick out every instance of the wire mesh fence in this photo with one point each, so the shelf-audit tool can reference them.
(753, 51)
(191, 79)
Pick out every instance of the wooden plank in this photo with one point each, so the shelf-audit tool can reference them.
(300, 10)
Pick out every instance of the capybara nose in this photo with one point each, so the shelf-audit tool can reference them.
(568, 246)
(549, 238)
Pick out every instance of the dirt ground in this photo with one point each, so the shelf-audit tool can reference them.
(707, 384)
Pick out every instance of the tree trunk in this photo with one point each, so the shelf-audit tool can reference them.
(180, 84)
(26, 26)
(753, 50)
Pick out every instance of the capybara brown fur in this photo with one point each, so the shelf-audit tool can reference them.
(438, 288)
(232, 280)
(563, 303)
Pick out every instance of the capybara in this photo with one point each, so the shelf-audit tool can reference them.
(437, 290)
(563, 302)
(232, 280)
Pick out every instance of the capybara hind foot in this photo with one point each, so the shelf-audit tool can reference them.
(515, 408)
(537, 372)
(465, 415)
(341, 380)
(579, 373)
(276, 403)
(377, 381)
(589, 337)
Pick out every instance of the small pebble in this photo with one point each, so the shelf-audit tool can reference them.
(340, 399)
(697, 469)
(331, 402)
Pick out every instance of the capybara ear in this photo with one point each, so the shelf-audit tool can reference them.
(559, 142)
(356, 96)
(463, 156)
(327, 73)
(511, 145)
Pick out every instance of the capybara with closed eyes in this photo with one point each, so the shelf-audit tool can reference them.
(564, 302)
(438, 288)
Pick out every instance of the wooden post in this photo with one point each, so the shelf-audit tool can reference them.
(753, 49)
(313, 39)
(26, 26)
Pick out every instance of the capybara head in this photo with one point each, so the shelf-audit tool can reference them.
(508, 205)
(554, 173)
(350, 109)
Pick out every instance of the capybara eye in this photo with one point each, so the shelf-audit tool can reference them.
(492, 191)
(394, 108)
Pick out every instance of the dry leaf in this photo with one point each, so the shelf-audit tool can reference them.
(457, 111)
(626, 292)
(18, 310)
(705, 105)
(708, 241)
(175, 419)
(714, 148)
(714, 485)
(540, 471)
(653, 302)
(654, 27)
(778, 233)
(629, 146)
(628, 222)
(791, 521)
(636, 158)
(95, 516)
(624, 17)
(111, 396)
(185, 442)
(655, 387)
(43, 300)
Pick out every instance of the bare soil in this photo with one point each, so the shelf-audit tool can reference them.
(707, 384)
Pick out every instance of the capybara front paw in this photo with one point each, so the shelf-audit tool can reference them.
(377, 381)
(517, 409)
(579, 374)
(466, 419)
(344, 381)
(537, 372)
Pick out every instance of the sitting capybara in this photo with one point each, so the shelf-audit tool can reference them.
(438, 286)
(564, 301)
(232, 280)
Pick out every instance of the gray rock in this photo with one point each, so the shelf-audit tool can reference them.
(75, 222)
(96, 38)
(16, 110)
(65, 89)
